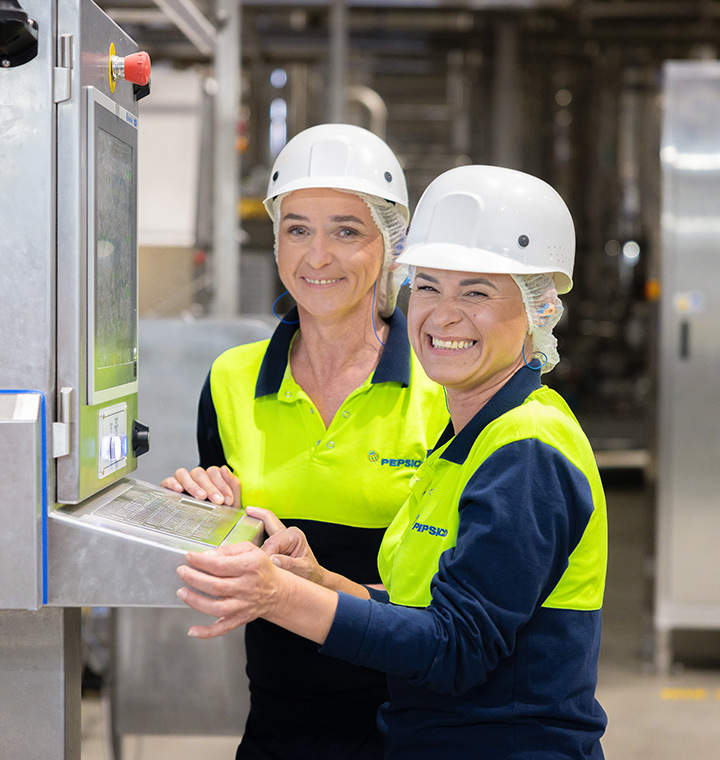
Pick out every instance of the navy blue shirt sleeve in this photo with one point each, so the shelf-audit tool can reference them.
(379, 595)
(521, 515)
(210, 446)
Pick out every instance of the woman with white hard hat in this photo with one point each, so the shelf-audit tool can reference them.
(489, 630)
(324, 423)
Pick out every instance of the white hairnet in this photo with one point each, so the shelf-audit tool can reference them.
(543, 309)
(393, 227)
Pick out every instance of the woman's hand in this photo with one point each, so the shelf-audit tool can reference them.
(216, 484)
(288, 547)
(240, 583)
(235, 584)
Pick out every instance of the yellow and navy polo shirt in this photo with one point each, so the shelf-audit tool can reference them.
(342, 485)
(354, 472)
(495, 568)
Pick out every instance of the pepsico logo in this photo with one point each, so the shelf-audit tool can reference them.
(373, 456)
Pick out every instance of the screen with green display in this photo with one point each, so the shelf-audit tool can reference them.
(115, 254)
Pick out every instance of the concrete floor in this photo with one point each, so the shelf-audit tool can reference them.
(650, 716)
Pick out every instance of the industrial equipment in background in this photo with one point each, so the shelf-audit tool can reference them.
(687, 582)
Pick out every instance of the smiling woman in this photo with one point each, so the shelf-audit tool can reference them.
(326, 423)
(468, 333)
(494, 567)
(330, 254)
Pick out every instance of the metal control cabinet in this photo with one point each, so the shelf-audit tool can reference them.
(687, 594)
(96, 221)
(76, 531)
(53, 109)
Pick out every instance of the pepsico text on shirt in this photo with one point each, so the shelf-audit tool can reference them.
(430, 529)
(401, 462)
(374, 456)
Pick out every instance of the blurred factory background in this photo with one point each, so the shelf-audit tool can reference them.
(574, 91)
(568, 90)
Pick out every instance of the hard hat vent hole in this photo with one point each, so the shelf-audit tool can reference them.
(275, 176)
(523, 241)
(388, 176)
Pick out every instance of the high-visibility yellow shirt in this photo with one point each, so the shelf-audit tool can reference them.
(428, 523)
(354, 472)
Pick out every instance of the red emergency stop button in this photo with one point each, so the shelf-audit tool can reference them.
(137, 68)
(134, 68)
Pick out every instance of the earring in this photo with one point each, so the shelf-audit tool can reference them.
(277, 316)
(535, 355)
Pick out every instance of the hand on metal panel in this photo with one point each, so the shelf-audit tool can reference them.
(239, 583)
(235, 584)
(216, 484)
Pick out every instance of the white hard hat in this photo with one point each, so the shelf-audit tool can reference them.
(342, 157)
(491, 219)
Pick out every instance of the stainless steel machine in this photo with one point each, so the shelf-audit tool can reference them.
(76, 530)
(687, 592)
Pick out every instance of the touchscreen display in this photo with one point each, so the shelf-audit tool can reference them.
(113, 251)
(115, 256)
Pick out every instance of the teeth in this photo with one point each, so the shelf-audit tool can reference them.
(455, 345)
(321, 282)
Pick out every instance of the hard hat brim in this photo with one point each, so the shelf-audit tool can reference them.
(353, 185)
(459, 258)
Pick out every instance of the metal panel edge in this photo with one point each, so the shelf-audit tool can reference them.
(95, 567)
(23, 502)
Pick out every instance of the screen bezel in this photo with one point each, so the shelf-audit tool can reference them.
(111, 382)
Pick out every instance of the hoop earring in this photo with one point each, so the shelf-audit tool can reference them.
(277, 316)
(535, 355)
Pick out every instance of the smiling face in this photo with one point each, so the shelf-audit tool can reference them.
(467, 329)
(330, 251)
